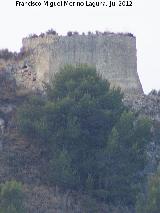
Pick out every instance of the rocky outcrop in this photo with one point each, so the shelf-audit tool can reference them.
(149, 106)
(145, 105)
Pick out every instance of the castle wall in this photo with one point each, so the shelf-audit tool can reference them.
(114, 56)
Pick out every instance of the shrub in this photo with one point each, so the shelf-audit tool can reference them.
(33, 36)
(51, 32)
(76, 33)
(153, 92)
(97, 145)
(31, 125)
(11, 198)
(97, 32)
(150, 202)
(69, 33)
(6, 54)
(42, 35)
(61, 172)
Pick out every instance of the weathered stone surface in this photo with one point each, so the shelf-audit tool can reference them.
(145, 105)
(113, 55)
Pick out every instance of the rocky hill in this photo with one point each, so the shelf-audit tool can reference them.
(23, 74)
(24, 162)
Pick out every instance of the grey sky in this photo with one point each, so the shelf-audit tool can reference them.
(142, 20)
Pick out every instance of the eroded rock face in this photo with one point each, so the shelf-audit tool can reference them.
(145, 105)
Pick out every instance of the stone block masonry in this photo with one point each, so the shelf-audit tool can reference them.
(113, 55)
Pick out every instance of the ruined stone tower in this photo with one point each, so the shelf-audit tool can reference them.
(113, 55)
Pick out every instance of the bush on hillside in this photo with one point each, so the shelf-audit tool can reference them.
(96, 145)
(11, 198)
(150, 201)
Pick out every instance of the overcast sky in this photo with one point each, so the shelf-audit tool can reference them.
(142, 19)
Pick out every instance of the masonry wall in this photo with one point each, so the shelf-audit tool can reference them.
(114, 56)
